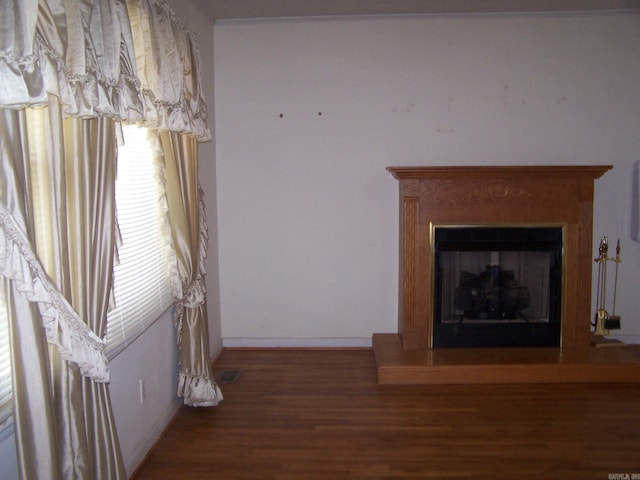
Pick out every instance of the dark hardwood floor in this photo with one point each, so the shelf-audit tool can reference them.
(319, 414)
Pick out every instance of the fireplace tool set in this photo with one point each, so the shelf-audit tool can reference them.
(603, 320)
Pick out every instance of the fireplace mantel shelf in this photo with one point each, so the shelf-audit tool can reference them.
(589, 171)
(490, 195)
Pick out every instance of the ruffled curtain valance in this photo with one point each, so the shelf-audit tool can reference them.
(130, 60)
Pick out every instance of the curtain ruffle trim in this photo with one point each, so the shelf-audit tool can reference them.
(204, 235)
(194, 294)
(175, 283)
(198, 391)
(185, 296)
(64, 328)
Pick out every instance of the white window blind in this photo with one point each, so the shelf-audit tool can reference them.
(6, 401)
(141, 279)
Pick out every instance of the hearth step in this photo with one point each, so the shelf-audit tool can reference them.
(397, 366)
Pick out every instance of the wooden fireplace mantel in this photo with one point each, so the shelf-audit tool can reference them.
(590, 171)
(495, 195)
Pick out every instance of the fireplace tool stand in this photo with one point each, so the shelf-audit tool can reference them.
(603, 320)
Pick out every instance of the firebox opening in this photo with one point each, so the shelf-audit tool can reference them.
(497, 286)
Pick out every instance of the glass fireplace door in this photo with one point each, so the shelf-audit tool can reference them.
(497, 287)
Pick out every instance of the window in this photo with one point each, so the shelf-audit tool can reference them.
(141, 278)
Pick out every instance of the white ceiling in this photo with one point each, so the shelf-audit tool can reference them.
(246, 9)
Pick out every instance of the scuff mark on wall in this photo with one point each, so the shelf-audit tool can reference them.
(409, 107)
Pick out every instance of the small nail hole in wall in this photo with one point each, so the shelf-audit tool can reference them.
(319, 114)
(281, 115)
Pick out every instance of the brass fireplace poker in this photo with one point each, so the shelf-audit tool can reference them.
(603, 320)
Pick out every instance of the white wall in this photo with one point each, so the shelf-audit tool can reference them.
(152, 358)
(310, 112)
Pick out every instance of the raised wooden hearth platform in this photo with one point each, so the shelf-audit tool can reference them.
(397, 366)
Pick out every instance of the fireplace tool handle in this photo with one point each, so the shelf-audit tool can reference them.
(601, 313)
(613, 320)
(615, 283)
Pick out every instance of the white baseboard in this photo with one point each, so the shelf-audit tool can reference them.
(143, 448)
(250, 342)
(238, 342)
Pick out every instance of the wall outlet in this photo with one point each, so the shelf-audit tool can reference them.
(142, 392)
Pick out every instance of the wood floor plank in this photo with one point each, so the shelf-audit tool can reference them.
(320, 414)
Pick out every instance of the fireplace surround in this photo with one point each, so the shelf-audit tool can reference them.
(501, 197)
